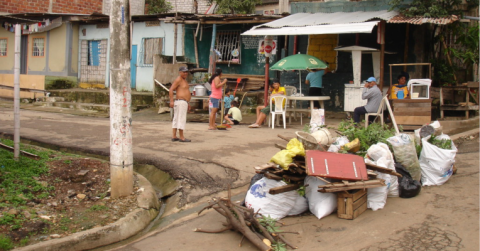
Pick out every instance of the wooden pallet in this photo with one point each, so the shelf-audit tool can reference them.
(351, 205)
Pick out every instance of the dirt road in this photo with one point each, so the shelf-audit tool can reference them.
(441, 218)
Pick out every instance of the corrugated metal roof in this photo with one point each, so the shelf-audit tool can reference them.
(311, 19)
(423, 20)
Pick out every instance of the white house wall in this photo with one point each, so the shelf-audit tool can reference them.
(144, 79)
(93, 33)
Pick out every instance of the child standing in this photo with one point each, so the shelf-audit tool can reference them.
(228, 100)
(234, 115)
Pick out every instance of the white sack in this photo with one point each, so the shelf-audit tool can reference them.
(436, 163)
(339, 142)
(381, 155)
(301, 205)
(320, 204)
(276, 206)
(377, 196)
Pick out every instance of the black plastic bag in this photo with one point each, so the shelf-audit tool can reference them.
(407, 186)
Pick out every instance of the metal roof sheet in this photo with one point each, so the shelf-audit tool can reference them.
(365, 27)
(320, 18)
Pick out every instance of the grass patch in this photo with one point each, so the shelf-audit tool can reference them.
(17, 183)
(5, 243)
(98, 208)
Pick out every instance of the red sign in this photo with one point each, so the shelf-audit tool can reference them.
(268, 49)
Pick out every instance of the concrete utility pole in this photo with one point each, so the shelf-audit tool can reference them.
(16, 93)
(121, 157)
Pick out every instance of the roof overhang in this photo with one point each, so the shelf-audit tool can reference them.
(366, 27)
(323, 23)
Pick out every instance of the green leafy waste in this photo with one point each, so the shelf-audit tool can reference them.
(374, 133)
(440, 143)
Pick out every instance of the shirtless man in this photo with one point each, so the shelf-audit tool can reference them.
(180, 106)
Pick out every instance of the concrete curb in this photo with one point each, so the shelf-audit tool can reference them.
(464, 134)
(126, 227)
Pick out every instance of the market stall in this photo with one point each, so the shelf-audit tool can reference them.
(416, 110)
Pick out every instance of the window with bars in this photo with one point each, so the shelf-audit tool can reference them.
(150, 47)
(38, 47)
(228, 47)
(3, 47)
(94, 47)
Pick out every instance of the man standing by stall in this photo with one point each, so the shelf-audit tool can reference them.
(374, 96)
(180, 105)
(314, 79)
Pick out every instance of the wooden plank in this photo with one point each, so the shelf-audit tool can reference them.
(459, 108)
(349, 206)
(413, 120)
(360, 210)
(293, 178)
(26, 154)
(411, 105)
(341, 205)
(358, 195)
(382, 169)
(357, 203)
(283, 189)
(399, 101)
(412, 113)
(410, 109)
(410, 127)
(272, 176)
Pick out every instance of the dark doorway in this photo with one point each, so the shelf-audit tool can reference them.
(23, 54)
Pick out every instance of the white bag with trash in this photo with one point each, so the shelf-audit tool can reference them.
(338, 143)
(320, 204)
(405, 153)
(436, 163)
(276, 206)
(317, 120)
(381, 156)
(301, 205)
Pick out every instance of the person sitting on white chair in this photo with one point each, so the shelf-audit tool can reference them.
(374, 96)
(262, 111)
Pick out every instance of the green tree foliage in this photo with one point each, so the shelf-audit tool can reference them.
(158, 6)
(427, 8)
(469, 39)
(235, 6)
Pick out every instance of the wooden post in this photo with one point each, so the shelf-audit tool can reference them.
(382, 53)
(16, 94)
(175, 44)
(213, 57)
(196, 49)
(267, 69)
(121, 157)
(405, 52)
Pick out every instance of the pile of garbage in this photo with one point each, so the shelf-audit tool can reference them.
(346, 175)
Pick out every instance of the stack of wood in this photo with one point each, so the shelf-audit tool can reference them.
(295, 175)
(249, 82)
(244, 220)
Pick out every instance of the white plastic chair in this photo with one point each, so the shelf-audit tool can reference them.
(379, 113)
(290, 91)
(278, 108)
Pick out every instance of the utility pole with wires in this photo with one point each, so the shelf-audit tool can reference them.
(121, 156)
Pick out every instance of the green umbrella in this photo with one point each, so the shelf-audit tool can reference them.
(299, 62)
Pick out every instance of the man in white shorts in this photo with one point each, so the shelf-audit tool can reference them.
(180, 104)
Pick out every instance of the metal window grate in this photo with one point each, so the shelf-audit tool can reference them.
(3, 47)
(94, 49)
(228, 47)
(38, 47)
(150, 47)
